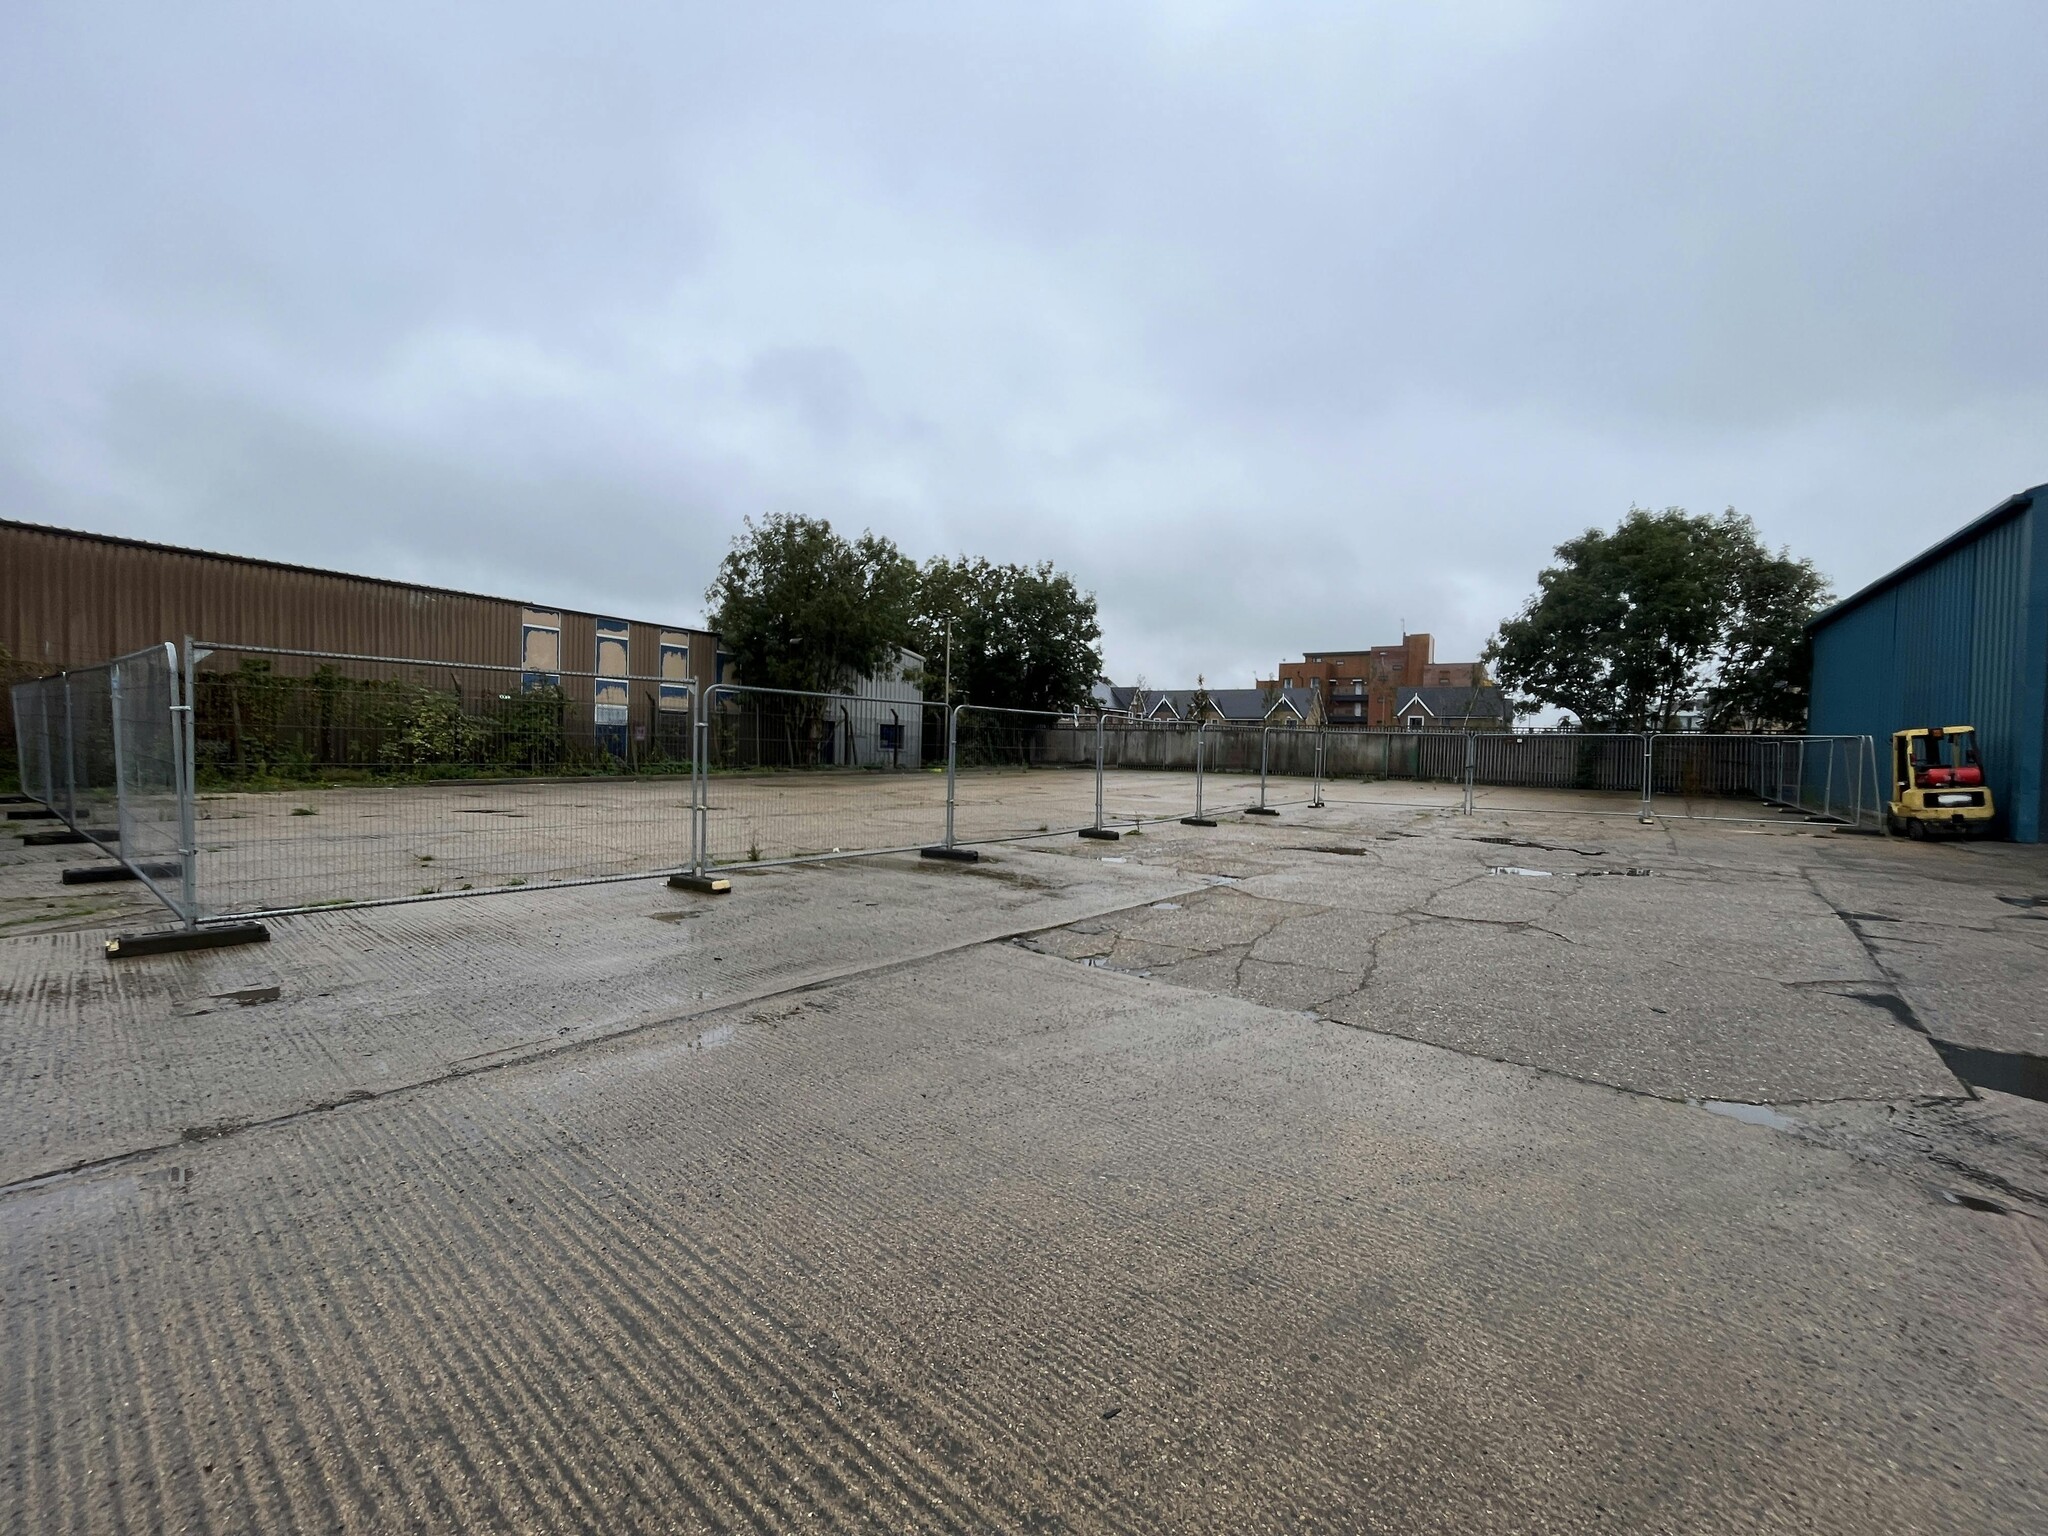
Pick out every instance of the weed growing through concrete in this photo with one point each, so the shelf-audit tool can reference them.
(304, 810)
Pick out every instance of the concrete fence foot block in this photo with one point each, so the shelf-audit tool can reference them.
(1196, 821)
(1102, 834)
(97, 874)
(954, 855)
(35, 813)
(1261, 810)
(170, 941)
(52, 839)
(708, 885)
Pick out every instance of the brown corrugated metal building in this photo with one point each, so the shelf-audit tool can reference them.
(70, 599)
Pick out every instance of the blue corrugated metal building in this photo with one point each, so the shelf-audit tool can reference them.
(1955, 636)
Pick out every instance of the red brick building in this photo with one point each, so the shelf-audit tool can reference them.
(1364, 687)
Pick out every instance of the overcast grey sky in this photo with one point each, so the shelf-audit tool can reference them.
(1277, 325)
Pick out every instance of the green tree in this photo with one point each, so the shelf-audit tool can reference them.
(800, 607)
(1023, 636)
(1668, 612)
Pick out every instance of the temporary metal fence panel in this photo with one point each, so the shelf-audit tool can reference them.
(1148, 770)
(1018, 773)
(1359, 767)
(32, 739)
(1229, 758)
(790, 775)
(102, 748)
(326, 779)
(1752, 778)
(150, 788)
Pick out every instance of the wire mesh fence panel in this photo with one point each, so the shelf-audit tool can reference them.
(1148, 771)
(100, 749)
(1397, 768)
(1749, 778)
(1020, 773)
(32, 737)
(1231, 760)
(792, 775)
(89, 791)
(1598, 772)
(149, 769)
(328, 780)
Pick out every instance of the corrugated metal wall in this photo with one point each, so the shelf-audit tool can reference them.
(72, 599)
(1962, 640)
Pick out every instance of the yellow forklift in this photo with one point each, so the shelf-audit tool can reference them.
(1938, 783)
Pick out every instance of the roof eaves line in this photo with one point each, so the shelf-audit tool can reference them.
(2012, 506)
(314, 570)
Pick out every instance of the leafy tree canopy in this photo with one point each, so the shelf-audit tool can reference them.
(1669, 612)
(1023, 636)
(798, 606)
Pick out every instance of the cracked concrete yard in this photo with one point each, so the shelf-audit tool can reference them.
(1360, 1169)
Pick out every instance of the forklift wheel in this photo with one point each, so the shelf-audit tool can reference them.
(1916, 829)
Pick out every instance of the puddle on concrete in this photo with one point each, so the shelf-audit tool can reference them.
(1107, 859)
(2025, 901)
(1337, 848)
(1165, 906)
(1516, 869)
(677, 917)
(2013, 1072)
(1748, 1114)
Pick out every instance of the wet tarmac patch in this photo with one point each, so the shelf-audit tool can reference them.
(2013, 1072)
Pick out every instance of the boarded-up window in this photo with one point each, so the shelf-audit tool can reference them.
(674, 695)
(611, 702)
(611, 648)
(540, 647)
